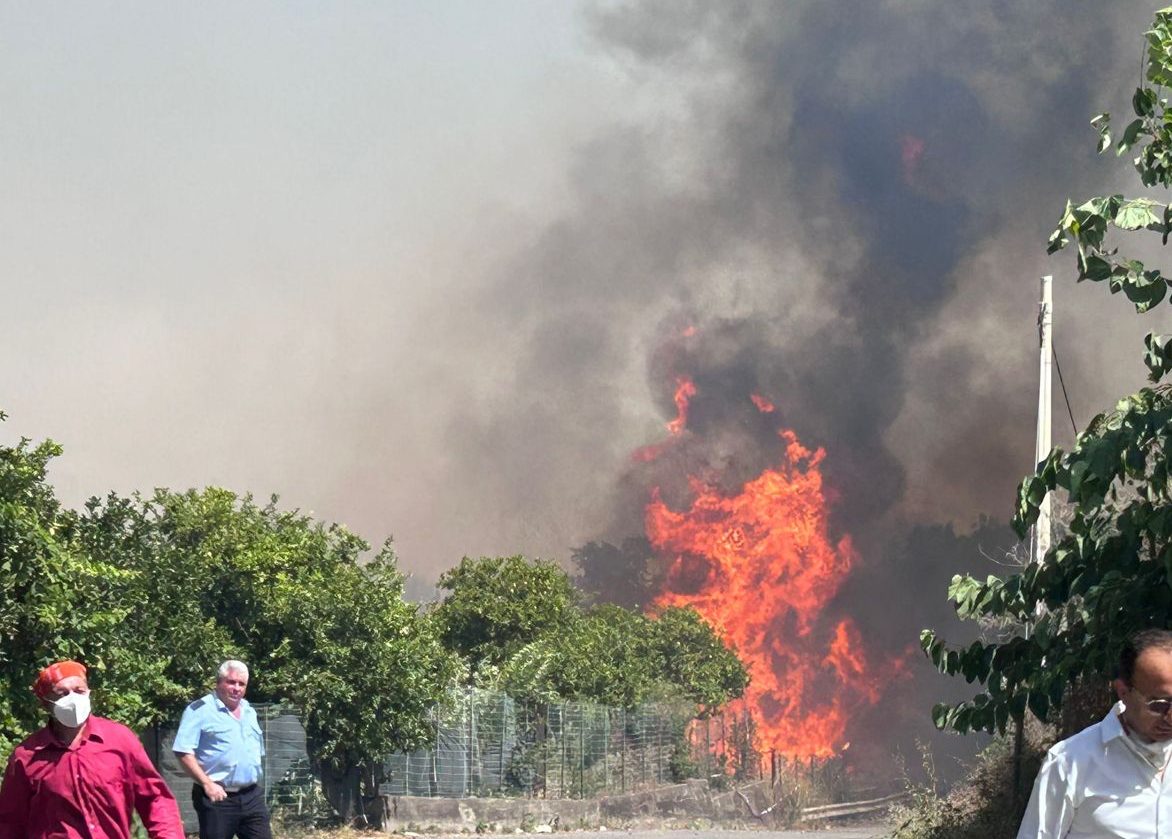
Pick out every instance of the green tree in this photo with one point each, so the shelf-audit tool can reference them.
(497, 605)
(322, 630)
(152, 593)
(519, 627)
(606, 655)
(165, 640)
(55, 599)
(695, 659)
(1111, 574)
(615, 656)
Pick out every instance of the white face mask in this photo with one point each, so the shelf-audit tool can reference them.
(72, 710)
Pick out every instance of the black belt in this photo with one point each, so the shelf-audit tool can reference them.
(231, 792)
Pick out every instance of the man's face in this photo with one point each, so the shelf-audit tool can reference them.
(1152, 680)
(68, 685)
(230, 688)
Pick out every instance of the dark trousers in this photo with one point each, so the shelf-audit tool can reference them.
(242, 814)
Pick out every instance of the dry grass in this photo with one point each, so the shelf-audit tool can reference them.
(288, 832)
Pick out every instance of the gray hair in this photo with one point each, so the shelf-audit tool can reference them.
(232, 666)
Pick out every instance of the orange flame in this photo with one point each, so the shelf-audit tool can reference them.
(760, 567)
(685, 390)
(763, 404)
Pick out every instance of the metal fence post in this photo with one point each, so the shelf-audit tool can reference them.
(606, 752)
(469, 777)
(623, 754)
(658, 747)
(433, 786)
(562, 742)
(265, 765)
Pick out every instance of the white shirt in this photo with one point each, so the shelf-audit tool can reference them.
(1098, 784)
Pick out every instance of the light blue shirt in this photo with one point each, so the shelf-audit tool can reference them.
(229, 750)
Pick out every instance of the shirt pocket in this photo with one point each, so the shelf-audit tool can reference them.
(256, 740)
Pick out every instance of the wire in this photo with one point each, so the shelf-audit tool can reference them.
(1062, 382)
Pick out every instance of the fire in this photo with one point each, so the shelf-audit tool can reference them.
(685, 390)
(760, 566)
(763, 404)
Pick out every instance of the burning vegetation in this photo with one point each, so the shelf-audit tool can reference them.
(761, 566)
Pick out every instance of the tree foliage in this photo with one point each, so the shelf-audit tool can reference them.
(497, 605)
(521, 629)
(152, 593)
(606, 655)
(696, 660)
(48, 587)
(1111, 574)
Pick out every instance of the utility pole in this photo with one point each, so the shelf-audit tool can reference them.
(1041, 536)
(1042, 446)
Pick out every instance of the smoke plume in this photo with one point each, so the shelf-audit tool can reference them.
(841, 208)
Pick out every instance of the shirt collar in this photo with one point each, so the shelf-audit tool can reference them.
(46, 739)
(220, 706)
(1111, 728)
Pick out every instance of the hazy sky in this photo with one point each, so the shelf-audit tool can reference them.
(228, 230)
(409, 264)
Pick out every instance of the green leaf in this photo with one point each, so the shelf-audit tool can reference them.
(1136, 214)
(1039, 704)
(1102, 123)
(1144, 102)
(1130, 135)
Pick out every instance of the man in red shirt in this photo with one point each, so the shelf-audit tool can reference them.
(80, 776)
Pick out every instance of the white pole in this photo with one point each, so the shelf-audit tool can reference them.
(1042, 446)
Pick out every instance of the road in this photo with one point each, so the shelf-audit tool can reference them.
(872, 831)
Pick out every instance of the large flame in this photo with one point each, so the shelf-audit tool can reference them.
(760, 566)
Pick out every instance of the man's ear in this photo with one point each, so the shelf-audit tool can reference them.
(1121, 687)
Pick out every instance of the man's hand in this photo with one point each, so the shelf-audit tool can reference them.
(214, 791)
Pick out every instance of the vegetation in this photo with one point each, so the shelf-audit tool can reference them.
(982, 806)
(152, 592)
(497, 605)
(1112, 573)
(520, 627)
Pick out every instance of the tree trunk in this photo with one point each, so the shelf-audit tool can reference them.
(341, 789)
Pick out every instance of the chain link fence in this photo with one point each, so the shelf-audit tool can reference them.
(487, 744)
(290, 786)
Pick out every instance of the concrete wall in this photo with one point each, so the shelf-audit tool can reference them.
(689, 801)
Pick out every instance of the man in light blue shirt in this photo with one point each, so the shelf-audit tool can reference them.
(219, 744)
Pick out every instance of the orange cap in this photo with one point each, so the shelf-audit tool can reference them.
(51, 675)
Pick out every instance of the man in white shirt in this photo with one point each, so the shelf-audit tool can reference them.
(1111, 779)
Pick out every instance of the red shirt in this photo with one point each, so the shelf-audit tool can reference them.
(85, 790)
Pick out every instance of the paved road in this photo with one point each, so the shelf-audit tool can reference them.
(858, 831)
(872, 831)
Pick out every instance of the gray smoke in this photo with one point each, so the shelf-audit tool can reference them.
(847, 214)
(849, 203)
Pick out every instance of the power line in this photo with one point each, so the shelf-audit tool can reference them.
(1058, 366)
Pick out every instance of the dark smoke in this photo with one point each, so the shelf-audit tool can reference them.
(849, 204)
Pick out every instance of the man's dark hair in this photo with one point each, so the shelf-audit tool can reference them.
(1147, 639)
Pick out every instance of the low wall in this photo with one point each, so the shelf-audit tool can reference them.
(691, 800)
